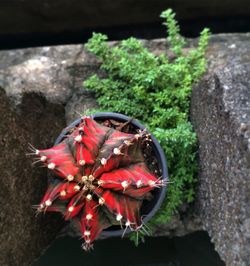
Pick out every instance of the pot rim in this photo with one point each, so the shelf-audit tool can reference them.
(157, 149)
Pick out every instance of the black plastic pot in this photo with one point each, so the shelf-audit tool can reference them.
(149, 208)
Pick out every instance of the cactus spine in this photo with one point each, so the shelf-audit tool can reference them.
(101, 178)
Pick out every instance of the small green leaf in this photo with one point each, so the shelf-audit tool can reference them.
(155, 90)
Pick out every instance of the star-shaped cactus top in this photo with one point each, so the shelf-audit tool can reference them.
(103, 178)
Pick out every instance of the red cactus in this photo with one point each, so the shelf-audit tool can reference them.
(103, 178)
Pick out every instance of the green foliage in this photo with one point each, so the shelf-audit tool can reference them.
(155, 90)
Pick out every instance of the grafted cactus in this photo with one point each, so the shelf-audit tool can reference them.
(102, 178)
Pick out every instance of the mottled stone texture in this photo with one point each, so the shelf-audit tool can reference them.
(35, 84)
(220, 113)
(40, 88)
(23, 236)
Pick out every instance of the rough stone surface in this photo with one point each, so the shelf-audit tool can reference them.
(220, 112)
(35, 85)
(75, 109)
(22, 235)
(42, 87)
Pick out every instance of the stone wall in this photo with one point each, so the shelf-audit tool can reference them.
(41, 90)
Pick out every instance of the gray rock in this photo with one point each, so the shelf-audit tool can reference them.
(41, 87)
(35, 84)
(220, 112)
(37, 121)
(75, 107)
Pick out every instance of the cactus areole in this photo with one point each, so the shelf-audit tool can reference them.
(103, 175)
